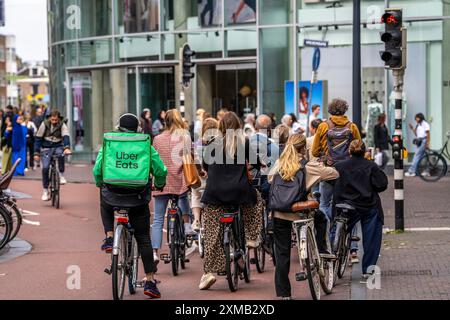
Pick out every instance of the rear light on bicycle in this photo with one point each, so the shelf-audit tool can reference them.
(172, 211)
(227, 219)
(122, 219)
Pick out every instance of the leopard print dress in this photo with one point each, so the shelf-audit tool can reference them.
(214, 260)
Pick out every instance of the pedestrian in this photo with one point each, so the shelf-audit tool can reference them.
(136, 199)
(171, 144)
(31, 132)
(314, 125)
(315, 113)
(281, 136)
(331, 144)
(273, 117)
(382, 140)
(296, 127)
(158, 125)
(228, 184)
(359, 184)
(146, 121)
(291, 165)
(288, 122)
(7, 144)
(198, 124)
(38, 118)
(210, 131)
(18, 143)
(422, 141)
(249, 124)
(221, 113)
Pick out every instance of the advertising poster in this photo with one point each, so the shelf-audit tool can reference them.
(209, 13)
(305, 103)
(240, 11)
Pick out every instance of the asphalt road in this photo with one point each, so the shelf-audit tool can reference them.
(69, 239)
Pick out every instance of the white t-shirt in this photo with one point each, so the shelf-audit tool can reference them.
(422, 129)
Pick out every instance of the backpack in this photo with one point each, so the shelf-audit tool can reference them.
(126, 159)
(283, 194)
(338, 142)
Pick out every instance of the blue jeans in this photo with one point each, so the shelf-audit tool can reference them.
(46, 157)
(372, 231)
(417, 156)
(354, 244)
(160, 212)
(326, 198)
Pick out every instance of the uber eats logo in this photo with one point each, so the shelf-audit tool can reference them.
(126, 160)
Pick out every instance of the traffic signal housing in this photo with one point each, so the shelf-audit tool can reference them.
(186, 65)
(394, 38)
(397, 147)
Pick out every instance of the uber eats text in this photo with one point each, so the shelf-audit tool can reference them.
(126, 160)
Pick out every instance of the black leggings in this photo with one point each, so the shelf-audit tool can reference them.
(140, 222)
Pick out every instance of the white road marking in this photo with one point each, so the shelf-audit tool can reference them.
(385, 230)
(33, 223)
(30, 213)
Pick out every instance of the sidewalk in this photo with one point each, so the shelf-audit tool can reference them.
(414, 264)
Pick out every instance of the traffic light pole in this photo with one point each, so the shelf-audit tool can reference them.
(398, 164)
(182, 99)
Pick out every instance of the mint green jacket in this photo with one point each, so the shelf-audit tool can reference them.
(157, 169)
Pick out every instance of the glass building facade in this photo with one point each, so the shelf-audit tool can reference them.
(112, 56)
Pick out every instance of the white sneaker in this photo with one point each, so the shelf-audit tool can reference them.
(45, 195)
(410, 174)
(207, 281)
(155, 258)
(62, 180)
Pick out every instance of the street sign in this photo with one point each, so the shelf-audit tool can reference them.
(315, 43)
(316, 59)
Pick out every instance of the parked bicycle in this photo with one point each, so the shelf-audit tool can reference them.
(237, 265)
(342, 239)
(125, 257)
(315, 268)
(433, 166)
(176, 238)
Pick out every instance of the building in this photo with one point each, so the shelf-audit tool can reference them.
(112, 56)
(33, 85)
(8, 71)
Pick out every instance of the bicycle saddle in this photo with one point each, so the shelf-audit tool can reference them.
(305, 205)
(345, 206)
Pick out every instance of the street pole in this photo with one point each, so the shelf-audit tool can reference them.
(357, 63)
(399, 196)
(182, 98)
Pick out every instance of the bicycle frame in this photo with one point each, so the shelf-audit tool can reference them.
(122, 226)
(301, 229)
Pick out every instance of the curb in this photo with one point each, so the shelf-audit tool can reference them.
(16, 248)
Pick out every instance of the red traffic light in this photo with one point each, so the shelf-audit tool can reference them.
(396, 139)
(391, 18)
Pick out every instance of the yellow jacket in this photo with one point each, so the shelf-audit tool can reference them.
(320, 147)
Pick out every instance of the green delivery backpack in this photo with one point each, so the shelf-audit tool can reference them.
(126, 159)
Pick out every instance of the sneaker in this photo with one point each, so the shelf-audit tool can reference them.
(354, 257)
(155, 258)
(196, 226)
(252, 244)
(207, 281)
(107, 245)
(45, 195)
(410, 174)
(426, 174)
(151, 290)
(62, 180)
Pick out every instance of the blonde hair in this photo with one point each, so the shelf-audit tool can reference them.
(174, 121)
(210, 128)
(230, 123)
(289, 162)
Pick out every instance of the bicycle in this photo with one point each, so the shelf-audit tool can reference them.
(433, 166)
(124, 257)
(176, 238)
(316, 268)
(342, 239)
(54, 186)
(237, 258)
(6, 227)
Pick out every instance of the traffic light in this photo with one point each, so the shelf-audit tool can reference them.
(186, 65)
(394, 38)
(397, 148)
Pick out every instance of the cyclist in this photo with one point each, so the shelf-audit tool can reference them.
(292, 160)
(422, 141)
(359, 184)
(52, 138)
(134, 198)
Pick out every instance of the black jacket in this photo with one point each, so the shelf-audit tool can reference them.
(381, 137)
(227, 183)
(359, 183)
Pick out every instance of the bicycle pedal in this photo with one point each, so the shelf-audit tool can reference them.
(355, 238)
(301, 276)
(107, 271)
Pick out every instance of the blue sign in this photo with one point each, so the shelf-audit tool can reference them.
(316, 59)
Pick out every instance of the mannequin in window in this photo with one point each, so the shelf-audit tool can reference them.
(374, 109)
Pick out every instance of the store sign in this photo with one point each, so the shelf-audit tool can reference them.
(73, 21)
(315, 43)
(2, 13)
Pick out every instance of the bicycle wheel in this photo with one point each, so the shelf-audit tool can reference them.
(16, 217)
(312, 269)
(5, 227)
(343, 257)
(174, 252)
(260, 253)
(182, 246)
(119, 262)
(327, 280)
(231, 266)
(57, 189)
(432, 167)
(134, 267)
(201, 243)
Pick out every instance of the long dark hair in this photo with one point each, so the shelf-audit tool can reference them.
(420, 116)
(160, 117)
